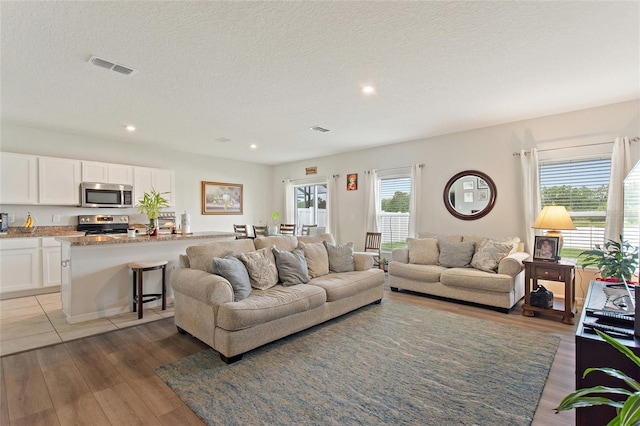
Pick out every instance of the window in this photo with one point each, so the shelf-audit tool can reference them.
(311, 205)
(394, 211)
(581, 186)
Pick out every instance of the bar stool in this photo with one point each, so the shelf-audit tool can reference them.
(139, 298)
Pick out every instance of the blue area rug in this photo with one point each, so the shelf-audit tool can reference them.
(391, 363)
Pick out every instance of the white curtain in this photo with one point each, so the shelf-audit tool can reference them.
(371, 201)
(414, 200)
(620, 167)
(289, 202)
(333, 219)
(530, 193)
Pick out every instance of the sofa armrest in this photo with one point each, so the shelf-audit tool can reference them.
(512, 264)
(201, 285)
(400, 255)
(362, 261)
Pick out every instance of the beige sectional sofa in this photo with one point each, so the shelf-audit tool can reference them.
(207, 305)
(469, 268)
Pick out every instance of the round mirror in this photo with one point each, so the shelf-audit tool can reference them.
(470, 195)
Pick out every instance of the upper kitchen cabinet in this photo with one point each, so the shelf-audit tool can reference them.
(18, 178)
(107, 173)
(59, 181)
(146, 178)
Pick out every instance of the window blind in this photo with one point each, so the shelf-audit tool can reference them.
(394, 211)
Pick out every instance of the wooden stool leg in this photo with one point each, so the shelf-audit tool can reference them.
(164, 288)
(140, 275)
(134, 290)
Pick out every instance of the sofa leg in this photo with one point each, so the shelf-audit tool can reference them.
(394, 289)
(231, 359)
(181, 330)
(377, 302)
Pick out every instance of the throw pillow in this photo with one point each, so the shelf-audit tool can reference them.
(489, 255)
(261, 268)
(340, 257)
(317, 258)
(455, 255)
(292, 266)
(423, 251)
(233, 271)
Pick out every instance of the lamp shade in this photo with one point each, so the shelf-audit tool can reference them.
(554, 217)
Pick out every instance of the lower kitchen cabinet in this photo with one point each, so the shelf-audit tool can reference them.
(29, 266)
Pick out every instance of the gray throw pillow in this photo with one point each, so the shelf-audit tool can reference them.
(340, 257)
(456, 255)
(292, 266)
(233, 271)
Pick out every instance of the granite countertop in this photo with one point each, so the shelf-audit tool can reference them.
(41, 231)
(92, 240)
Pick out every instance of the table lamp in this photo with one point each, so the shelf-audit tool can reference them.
(554, 219)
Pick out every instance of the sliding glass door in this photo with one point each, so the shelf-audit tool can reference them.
(311, 205)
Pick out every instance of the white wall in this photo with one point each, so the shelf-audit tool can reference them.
(190, 170)
(489, 150)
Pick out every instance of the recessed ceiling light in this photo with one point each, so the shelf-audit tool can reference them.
(253, 146)
(131, 128)
(368, 90)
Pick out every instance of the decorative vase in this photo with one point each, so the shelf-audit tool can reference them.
(273, 230)
(153, 229)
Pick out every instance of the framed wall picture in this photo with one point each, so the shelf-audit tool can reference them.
(468, 197)
(483, 195)
(546, 248)
(352, 182)
(467, 184)
(221, 198)
(482, 184)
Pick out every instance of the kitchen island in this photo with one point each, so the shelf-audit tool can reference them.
(96, 281)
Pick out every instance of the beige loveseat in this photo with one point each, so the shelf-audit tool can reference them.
(205, 306)
(469, 268)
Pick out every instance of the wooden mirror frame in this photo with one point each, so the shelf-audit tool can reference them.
(493, 193)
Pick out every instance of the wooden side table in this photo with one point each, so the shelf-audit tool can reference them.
(561, 271)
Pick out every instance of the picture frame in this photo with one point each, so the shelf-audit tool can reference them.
(482, 184)
(483, 195)
(546, 248)
(468, 197)
(352, 182)
(220, 198)
(467, 184)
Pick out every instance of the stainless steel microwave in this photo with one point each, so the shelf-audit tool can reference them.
(94, 194)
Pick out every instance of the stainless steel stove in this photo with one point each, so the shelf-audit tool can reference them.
(103, 224)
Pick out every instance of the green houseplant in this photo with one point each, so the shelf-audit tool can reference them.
(615, 260)
(627, 410)
(151, 203)
(273, 229)
(383, 263)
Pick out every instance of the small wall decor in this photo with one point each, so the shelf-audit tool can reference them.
(482, 184)
(546, 248)
(221, 198)
(352, 182)
(311, 171)
(483, 195)
(467, 184)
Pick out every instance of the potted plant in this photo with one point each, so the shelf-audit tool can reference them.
(614, 260)
(273, 229)
(151, 204)
(383, 263)
(627, 410)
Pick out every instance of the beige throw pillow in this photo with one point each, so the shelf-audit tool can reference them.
(261, 268)
(317, 258)
(423, 251)
(489, 255)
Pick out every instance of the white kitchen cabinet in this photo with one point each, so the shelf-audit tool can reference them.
(51, 269)
(19, 178)
(93, 171)
(146, 178)
(59, 181)
(19, 264)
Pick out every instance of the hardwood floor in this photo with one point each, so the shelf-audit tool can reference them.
(108, 379)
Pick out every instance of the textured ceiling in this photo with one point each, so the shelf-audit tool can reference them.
(264, 72)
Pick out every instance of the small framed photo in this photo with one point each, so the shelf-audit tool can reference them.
(482, 184)
(467, 184)
(221, 198)
(468, 197)
(546, 248)
(483, 195)
(352, 182)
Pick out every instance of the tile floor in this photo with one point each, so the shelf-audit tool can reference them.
(37, 321)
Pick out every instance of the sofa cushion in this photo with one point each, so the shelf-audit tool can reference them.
(455, 255)
(475, 279)
(347, 284)
(422, 273)
(292, 266)
(340, 257)
(445, 237)
(233, 270)
(201, 256)
(281, 242)
(269, 305)
(479, 239)
(489, 255)
(261, 268)
(423, 251)
(317, 258)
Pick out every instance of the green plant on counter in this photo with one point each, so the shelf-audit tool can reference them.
(628, 410)
(614, 259)
(274, 218)
(152, 202)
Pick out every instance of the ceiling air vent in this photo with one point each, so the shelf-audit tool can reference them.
(319, 129)
(103, 63)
